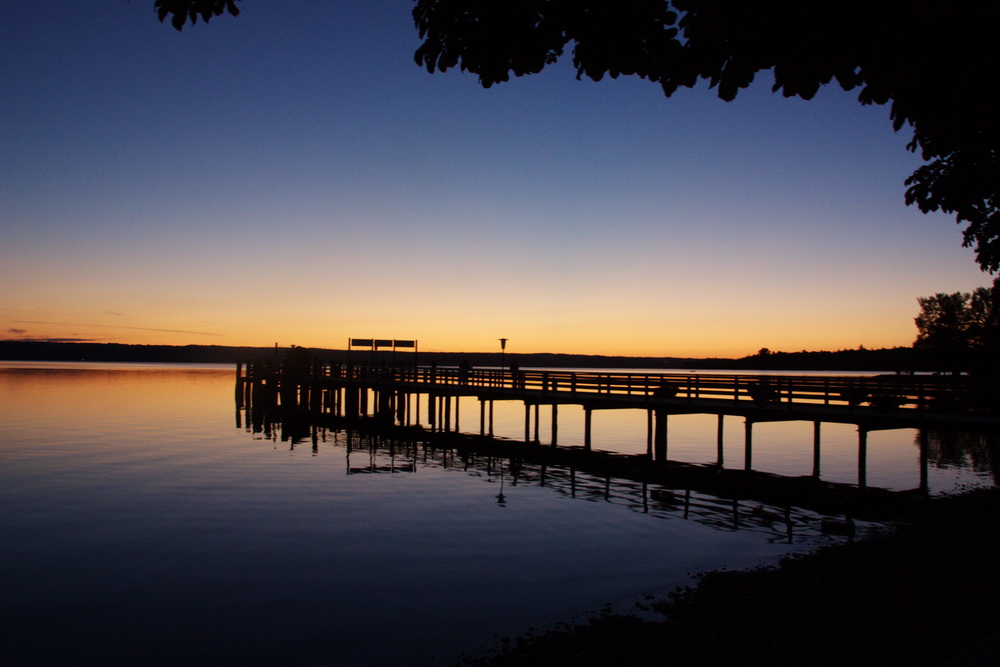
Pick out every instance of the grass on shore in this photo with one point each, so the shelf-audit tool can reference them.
(920, 594)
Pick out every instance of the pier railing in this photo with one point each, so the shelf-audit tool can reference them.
(912, 393)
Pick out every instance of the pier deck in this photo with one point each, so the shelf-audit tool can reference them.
(393, 395)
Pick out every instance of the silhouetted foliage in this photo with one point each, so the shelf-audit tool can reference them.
(962, 328)
(935, 62)
(182, 11)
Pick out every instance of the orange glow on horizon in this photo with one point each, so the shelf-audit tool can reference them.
(707, 342)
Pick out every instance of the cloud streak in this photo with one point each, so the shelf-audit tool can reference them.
(52, 339)
(112, 326)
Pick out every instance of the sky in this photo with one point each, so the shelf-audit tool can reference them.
(291, 176)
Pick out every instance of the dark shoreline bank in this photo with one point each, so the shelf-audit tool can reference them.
(888, 360)
(924, 593)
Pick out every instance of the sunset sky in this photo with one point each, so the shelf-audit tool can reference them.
(292, 176)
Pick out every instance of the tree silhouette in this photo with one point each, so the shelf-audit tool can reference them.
(936, 64)
(961, 328)
(182, 11)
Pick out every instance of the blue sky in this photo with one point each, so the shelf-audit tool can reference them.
(292, 176)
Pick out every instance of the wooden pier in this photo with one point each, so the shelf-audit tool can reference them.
(392, 396)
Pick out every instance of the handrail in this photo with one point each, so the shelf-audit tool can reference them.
(910, 393)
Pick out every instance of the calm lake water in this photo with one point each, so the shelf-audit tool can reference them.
(141, 525)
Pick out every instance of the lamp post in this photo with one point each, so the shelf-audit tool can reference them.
(503, 346)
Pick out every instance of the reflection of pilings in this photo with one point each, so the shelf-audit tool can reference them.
(751, 486)
(778, 522)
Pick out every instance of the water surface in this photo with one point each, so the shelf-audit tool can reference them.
(141, 525)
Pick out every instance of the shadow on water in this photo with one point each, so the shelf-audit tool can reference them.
(784, 507)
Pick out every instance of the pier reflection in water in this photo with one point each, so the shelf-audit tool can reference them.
(141, 527)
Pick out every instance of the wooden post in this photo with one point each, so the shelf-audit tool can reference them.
(586, 427)
(491, 417)
(537, 408)
(719, 447)
(527, 422)
(353, 401)
(816, 429)
(482, 417)
(660, 436)
(649, 432)
(384, 403)
(555, 423)
(862, 457)
(239, 384)
(248, 385)
(748, 446)
(924, 445)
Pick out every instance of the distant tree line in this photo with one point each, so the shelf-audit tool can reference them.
(36, 350)
(890, 360)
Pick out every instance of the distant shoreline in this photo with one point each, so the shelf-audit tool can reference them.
(885, 360)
